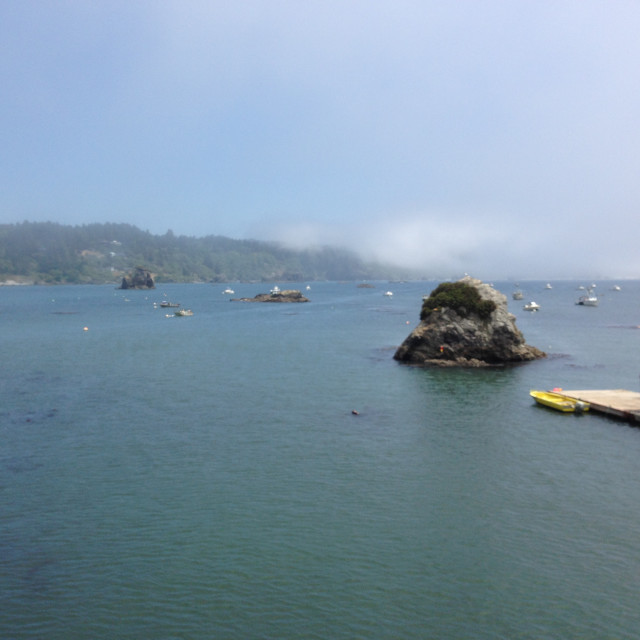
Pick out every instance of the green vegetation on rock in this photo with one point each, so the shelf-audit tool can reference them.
(459, 297)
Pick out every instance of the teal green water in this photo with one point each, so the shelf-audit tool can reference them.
(205, 477)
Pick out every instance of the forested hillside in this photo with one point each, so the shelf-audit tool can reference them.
(51, 253)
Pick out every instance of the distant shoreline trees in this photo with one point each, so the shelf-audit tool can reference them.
(52, 253)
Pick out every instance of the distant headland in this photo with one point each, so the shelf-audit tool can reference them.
(51, 253)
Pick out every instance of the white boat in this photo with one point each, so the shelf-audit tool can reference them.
(228, 291)
(548, 286)
(182, 313)
(388, 293)
(590, 300)
(275, 290)
(616, 287)
(531, 306)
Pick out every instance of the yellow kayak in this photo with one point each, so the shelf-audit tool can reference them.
(559, 401)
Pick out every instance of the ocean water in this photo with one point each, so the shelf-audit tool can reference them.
(205, 477)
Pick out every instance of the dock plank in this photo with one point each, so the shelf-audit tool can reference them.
(616, 402)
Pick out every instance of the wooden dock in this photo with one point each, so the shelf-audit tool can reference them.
(619, 403)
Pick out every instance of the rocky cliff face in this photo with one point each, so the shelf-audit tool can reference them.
(139, 279)
(466, 324)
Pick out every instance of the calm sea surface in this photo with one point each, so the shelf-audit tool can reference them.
(204, 477)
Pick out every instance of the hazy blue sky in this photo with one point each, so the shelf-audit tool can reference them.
(497, 137)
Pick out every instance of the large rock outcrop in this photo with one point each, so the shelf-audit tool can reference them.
(466, 323)
(288, 295)
(139, 279)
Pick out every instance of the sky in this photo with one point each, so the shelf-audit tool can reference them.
(495, 137)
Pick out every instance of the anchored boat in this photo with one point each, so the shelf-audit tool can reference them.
(590, 300)
(559, 401)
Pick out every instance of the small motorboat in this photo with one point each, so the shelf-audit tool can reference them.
(517, 295)
(531, 306)
(166, 305)
(548, 286)
(388, 293)
(229, 291)
(181, 313)
(559, 401)
(590, 300)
